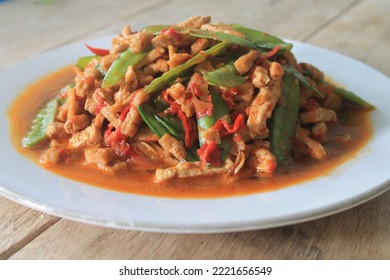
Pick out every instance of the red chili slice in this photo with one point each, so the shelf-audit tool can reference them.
(225, 129)
(188, 124)
(98, 51)
(210, 153)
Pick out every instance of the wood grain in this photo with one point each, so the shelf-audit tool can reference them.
(288, 19)
(359, 233)
(358, 28)
(19, 225)
(363, 33)
(31, 27)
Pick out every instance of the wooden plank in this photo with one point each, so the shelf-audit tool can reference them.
(359, 233)
(72, 20)
(363, 33)
(31, 27)
(19, 225)
(288, 19)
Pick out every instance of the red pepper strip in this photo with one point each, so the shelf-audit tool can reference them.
(172, 32)
(225, 129)
(113, 137)
(124, 112)
(271, 53)
(188, 124)
(189, 128)
(117, 140)
(101, 52)
(210, 153)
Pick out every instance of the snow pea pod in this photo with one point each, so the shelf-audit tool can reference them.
(349, 96)
(180, 70)
(224, 37)
(226, 76)
(206, 34)
(119, 67)
(303, 80)
(162, 125)
(262, 40)
(147, 113)
(284, 119)
(352, 98)
(37, 133)
(82, 62)
(172, 125)
(157, 28)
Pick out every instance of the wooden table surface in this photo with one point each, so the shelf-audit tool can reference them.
(358, 28)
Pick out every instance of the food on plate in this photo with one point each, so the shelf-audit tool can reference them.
(196, 100)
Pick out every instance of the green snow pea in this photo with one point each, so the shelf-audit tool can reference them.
(167, 124)
(347, 95)
(226, 76)
(302, 80)
(38, 129)
(352, 98)
(284, 119)
(261, 40)
(199, 33)
(82, 62)
(119, 67)
(157, 28)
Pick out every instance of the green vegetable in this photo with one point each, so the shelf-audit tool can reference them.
(82, 62)
(220, 36)
(62, 96)
(352, 98)
(37, 132)
(157, 28)
(262, 40)
(167, 124)
(220, 111)
(199, 33)
(148, 114)
(173, 125)
(226, 76)
(347, 95)
(169, 76)
(284, 119)
(303, 80)
(119, 67)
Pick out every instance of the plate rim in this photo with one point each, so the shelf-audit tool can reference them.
(200, 229)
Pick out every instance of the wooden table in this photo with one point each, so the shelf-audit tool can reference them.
(358, 28)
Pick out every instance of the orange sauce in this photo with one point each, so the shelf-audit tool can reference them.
(139, 179)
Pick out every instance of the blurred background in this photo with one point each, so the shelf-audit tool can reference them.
(33, 26)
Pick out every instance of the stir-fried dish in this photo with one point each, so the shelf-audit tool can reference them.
(195, 99)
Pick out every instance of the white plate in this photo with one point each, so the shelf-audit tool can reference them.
(355, 182)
